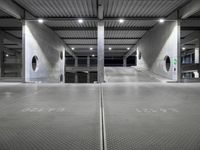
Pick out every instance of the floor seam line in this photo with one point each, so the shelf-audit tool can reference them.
(103, 141)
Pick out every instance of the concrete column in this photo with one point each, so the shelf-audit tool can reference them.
(23, 72)
(196, 56)
(88, 77)
(76, 62)
(179, 70)
(100, 51)
(88, 61)
(124, 62)
(76, 77)
(191, 58)
(1, 58)
(88, 65)
(76, 73)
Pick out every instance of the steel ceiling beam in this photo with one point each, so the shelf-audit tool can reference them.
(12, 9)
(114, 38)
(104, 44)
(97, 19)
(190, 9)
(10, 37)
(190, 28)
(107, 28)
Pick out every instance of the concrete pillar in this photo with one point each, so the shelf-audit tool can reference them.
(88, 61)
(100, 51)
(88, 65)
(179, 70)
(76, 77)
(1, 58)
(76, 73)
(23, 72)
(190, 58)
(124, 62)
(196, 56)
(88, 77)
(76, 62)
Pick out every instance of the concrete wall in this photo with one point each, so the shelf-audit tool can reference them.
(42, 42)
(161, 41)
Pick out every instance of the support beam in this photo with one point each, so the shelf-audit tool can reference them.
(190, 9)
(130, 52)
(100, 52)
(1, 57)
(88, 65)
(107, 29)
(179, 68)
(124, 61)
(113, 38)
(100, 9)
(10, 37)
(190, 38)
(12, 9)
(97, 19)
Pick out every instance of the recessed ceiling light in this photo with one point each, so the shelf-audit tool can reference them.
(93, 55)
(40, 20)
(80, 20)
(121, 20)
(183, 48)
(110, 48)
(7, 55)
(73, 48)
(161, 20)
(91, 48)
(128, 48)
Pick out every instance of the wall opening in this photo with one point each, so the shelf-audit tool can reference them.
(140, 55)
(167, 63)
(61, 78)
(61, 55)
(34, 63)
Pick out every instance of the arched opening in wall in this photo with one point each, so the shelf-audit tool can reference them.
(34, 63)
(140, 55)
(61, 78)
(61, 55)
(167, 63)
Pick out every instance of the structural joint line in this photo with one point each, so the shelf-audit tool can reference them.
(103, 142)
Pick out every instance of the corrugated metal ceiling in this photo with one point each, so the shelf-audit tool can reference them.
(60, 8)
(94, 41)
(17, 33)
(127, 23)
(185, 33)
(140, 8)
(10, 23)
(77, 34)
(108, 34)
(3, 14)
(88, 8)
(124, 34)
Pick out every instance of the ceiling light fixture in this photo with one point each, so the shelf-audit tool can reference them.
(80, 20)
(110, 48)
(91, 48)
(121, 20)
(183, 48)
(128, 48)
(7, 55)
(93, 55)
(73, 48)
(161, 20)
(40, 20)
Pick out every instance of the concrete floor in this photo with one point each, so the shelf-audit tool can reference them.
(127, 74)
(138, 115)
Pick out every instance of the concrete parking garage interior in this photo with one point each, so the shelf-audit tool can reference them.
(99, 75)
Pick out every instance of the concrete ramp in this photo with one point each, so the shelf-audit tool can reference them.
(127, 74)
